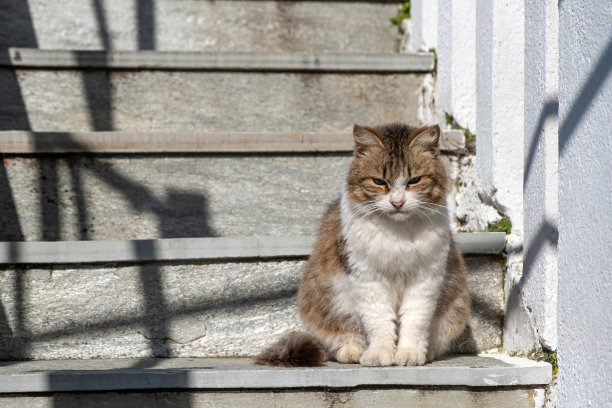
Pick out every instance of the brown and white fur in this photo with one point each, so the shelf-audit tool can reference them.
(385, 284)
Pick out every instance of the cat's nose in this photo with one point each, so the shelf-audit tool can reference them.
(398, 204)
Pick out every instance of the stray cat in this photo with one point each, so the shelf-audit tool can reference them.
(385, 283)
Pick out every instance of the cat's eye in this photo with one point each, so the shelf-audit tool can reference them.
(379, 182)
(414, 180)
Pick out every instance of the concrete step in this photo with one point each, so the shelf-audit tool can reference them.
(26, 142)
(183, 297)
(217, 189)
(221, 61)
(189, 249)
(247, 25)
(468, 381)
(206, 92)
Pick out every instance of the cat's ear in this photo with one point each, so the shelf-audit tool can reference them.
(365, 137)
(426, 138)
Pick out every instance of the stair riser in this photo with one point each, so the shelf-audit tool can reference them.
(178, 310)
(203, 101)
(515, 398)
(201, 25)
(145, 197)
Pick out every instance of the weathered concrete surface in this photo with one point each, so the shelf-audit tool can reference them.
(147, 197)
(486, 282)
(201, 25)
(515, 398)
(204, 101)
(179, 309)
(168, 197)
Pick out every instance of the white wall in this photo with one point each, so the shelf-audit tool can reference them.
(445, 61)
(536, 293)
(498, 57)
(456, 82)
(585, 203)
(500, 95)
(481, 82)
(543, 97)
(424, 26)
(484, 93)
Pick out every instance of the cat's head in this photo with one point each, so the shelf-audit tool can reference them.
(396, 171)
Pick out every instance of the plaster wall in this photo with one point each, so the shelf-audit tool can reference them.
(585, 194)
(424, 33)
(500, 128)
(445, 61)
(499, 99)
(464, 74)
(536, 294)
(507, 112)
(457, 71)
(484, 94)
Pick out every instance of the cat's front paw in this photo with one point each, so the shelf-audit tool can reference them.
(410, 356)
(349, 353)
(377, 356)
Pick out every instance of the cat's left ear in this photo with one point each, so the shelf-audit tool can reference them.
(426, 138)
(365, 137)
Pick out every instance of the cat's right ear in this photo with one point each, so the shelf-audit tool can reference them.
(365, 137)
(426, 138)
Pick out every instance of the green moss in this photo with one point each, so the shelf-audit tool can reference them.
(470, 138)
(503, 225)
(402, 13)
(551, 358)
(433, 51)
(450, 120)
(544, 355)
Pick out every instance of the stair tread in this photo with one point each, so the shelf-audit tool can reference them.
(485, 370)
(213, 60)
(27, 142)
(204, 25)
(196, 249)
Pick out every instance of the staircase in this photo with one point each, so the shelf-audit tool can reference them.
(164, 168)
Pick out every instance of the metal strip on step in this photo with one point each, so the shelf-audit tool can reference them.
(182, 249)
(223, 61)
(27, 142)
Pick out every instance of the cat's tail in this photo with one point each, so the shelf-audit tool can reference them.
(296, 349)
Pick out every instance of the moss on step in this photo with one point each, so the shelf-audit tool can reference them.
(403, 12)
(541, 355)
(470, 138)
(551, 358)
(433, 51)
(503, 225)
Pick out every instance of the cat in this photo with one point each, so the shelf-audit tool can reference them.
(385, 283)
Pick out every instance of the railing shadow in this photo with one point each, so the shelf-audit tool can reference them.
(16, 29)
(145, 14)
(588, 92)
(176, 215)
(180, 214)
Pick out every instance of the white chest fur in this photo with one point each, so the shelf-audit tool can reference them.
(392, 249)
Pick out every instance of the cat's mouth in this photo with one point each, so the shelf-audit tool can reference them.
(399, 213)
